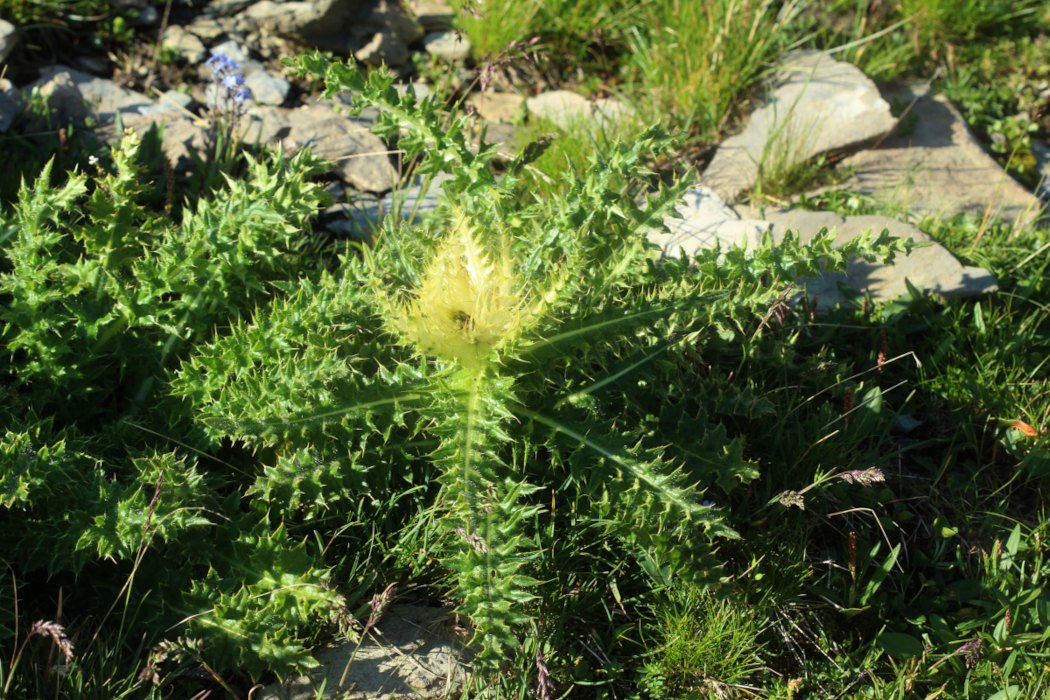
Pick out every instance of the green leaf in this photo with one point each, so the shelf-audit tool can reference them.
(900, 646)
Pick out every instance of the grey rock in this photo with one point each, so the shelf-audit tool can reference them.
(359, 156)
(931, 268)
(209, 29)
(434, 15)
(391, 16)
(560, 107)
(497, 106)
(936, 166)
(10, 105)
(706, 222)
(360, 218)
(182, 42)
(1041, 151)
(8, 39)
(147, 16)
(266, 89)
(815, 105)
(447, 46)
(383, 48)
(182, 140)
(226, 7)
(75, 96)
(410, 654)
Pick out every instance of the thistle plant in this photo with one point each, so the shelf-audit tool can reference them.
(508, 354)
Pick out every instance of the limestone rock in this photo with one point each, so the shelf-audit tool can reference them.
(815, 105)
(560, 107)
(447, 46)
(74, 96)
(10, 104)
(8, 39)
(497, 106)
(410, 654)
(383, 48)
(707, 223)
(938, 167)
(931, 267)
(434, 15)
(360, 157)
(1041, 151)
(182, 42)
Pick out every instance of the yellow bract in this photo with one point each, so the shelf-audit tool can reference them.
(468, 303)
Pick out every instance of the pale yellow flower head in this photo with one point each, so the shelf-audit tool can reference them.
(468, 303)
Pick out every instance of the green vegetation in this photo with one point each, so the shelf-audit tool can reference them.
(223, 432)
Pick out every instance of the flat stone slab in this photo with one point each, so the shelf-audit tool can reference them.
(77, 95)
(936, 166)
(360, 156)
(708, 223)
(412, 653)
(815, 105)
(930, 268)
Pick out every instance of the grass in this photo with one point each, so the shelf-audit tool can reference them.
(929, 582)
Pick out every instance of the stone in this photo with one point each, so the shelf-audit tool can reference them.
(497, 106)
(610, 111)
(147, 16)
(360, 218)
(360, 157)
(434, 15)
(182, 42)
(560, 107)
(209, 29)
(936, 166)
(75, 96)
(182, 140)
(175, 101)
(706, 222)
(10, 105)
(266, 89)
(8, 39)
(412, 652)
(383, 48)
(447, 46)
(814, 105)
(1041, 152)
(930, 268)
(226, 7)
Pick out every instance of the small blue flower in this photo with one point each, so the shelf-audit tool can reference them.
(242, 95)
(233, 81)
(221, 64)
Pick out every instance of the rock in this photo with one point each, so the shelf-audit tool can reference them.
(147, 16)
(931, 268)
(434, 15)
(8, 39)
(497, 106)
(410, 654)
(75, 96)
(209, 29)
(707, 223)
(10, 105)
(182, 140)
(360, 157)
(226, 7)
(447, 46)
(390, 16)
(815, 105)
(360, 218)
(561, 107)
(610, 111)
(383, 48)
(182, 42)
(938, 167)
(1041, 151)
(175, 101)
(266, 88)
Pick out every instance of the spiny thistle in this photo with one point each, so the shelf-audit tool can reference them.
(468, 303)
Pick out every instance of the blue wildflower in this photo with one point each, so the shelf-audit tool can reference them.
(242, 95)
(233, 81)
(221, 64)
